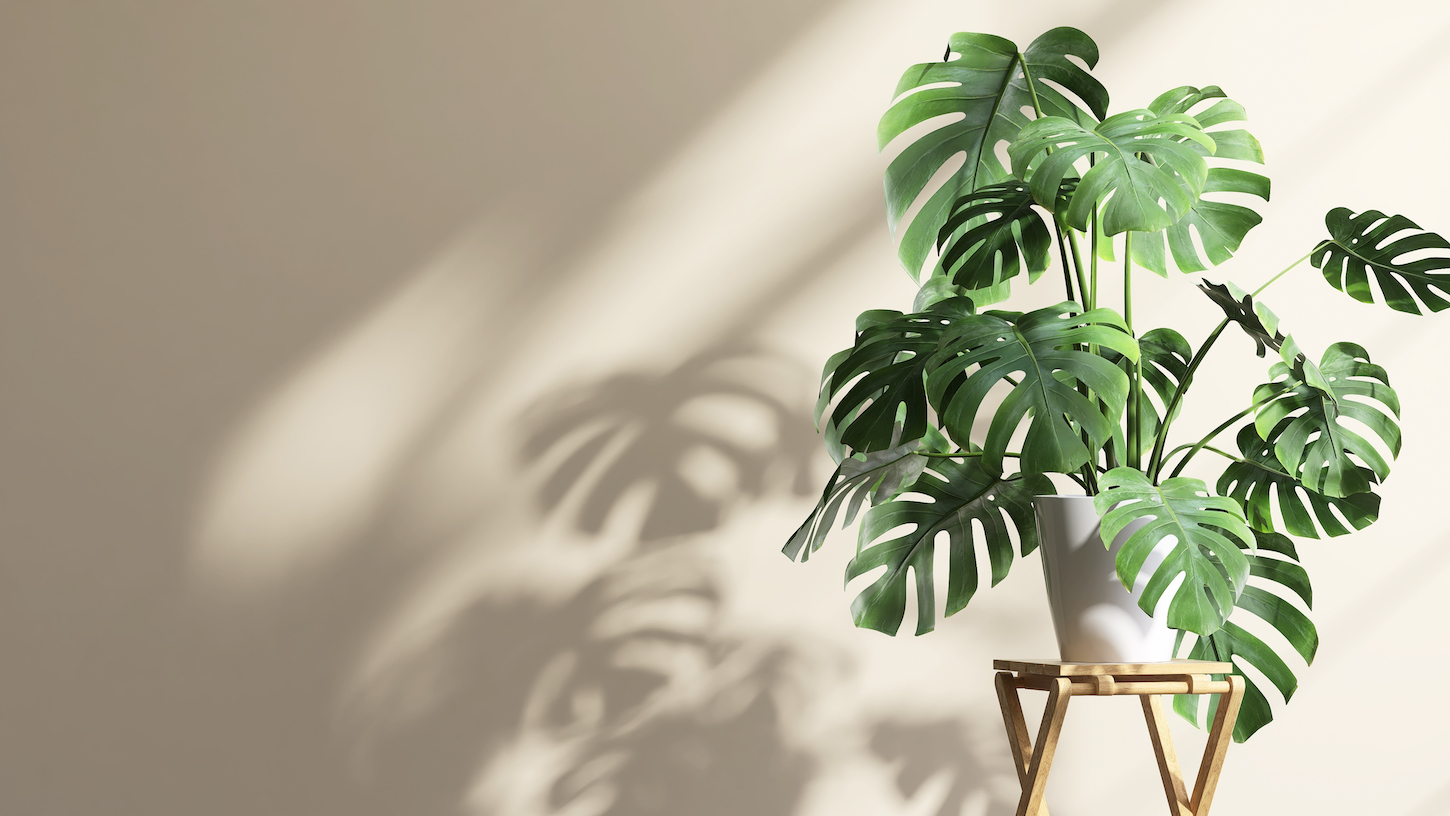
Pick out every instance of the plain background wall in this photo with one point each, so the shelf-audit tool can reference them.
(402, 406)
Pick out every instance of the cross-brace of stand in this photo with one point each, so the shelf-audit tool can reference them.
(1062, 681)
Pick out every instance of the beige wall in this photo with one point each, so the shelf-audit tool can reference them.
(403, 405)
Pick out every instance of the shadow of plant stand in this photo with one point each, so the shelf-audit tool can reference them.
(1062, 681)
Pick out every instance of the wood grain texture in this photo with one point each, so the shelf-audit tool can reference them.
(1017, 736)
(1178, 802)
(1218, 741)
(1060, 668)
(1036, 783)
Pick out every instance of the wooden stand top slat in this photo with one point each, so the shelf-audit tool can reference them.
(1059, 668)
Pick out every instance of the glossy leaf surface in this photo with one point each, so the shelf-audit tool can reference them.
(1260, 478)
(991, 234)
(1302, 414)
(946, 500)
(889, 357)
(1204, 551)
(1273, 580)
(984, 86)
(1036, 349)
(1374, 243)
(1146, 168)
(1221, 226)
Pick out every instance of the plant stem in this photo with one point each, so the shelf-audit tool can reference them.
(1155, 462)
(1256, 292)
(1225, 454)
(1135, 445)
(1062, 250)
(1082, 289)
(1209, 438)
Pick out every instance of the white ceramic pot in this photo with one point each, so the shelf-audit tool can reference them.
(1097, 620)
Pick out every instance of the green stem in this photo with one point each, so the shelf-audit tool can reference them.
(963, 454)
(1256, 292)
(1082, 289)
(1225, 454)
(1197, 446)
(1135, 386)
(1155, 462)
(1062, 250)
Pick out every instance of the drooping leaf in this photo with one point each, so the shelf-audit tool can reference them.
(1221, 226)
(1266, 598)
(990, 234)
(1301, 413)
(1357, 246)
(1132, 186)
(1257, 321)
(956, 494)
(1204, 552)
(986, 83)
(891, 351)
(878, 476)
(937, 288)
(1252, 482)
(980, 351)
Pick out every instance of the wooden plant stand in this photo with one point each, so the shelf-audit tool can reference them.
(1063, 681)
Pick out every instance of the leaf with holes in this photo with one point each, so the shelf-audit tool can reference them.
(889, 357)
(1164, 364)
(985, 83)
(1272, 580)
(1145, 177)
(954, 495)
(1204, 528)
(1221, 226)
(879, 476)
(980, 351)
(1356, 247)
(1302, 411)
(1253, 481)
(990, 234)
(1257, 321)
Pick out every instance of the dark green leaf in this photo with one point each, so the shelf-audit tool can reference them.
(1252, 482)
(978, 253)
(1122, 174)
(1265, 598)
(985, 88)
(1356, 247)
(889, 357)
(1300, 412)
(980, 351)
(956, 495)
(1203, 527)
(1260, 324)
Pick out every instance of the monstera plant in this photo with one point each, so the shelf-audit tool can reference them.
(947, 421)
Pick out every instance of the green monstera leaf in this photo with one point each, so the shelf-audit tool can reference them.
(1266, 598)
(990, 234)
(981, 351)
(1301, 413)
(954, 495)
(1144, 166)
(1221, 226)
(1203, 528)
(1258, 476)
(985, 83)
(1257, 321)
(891, 351)
(879, 476)
(1357, 246)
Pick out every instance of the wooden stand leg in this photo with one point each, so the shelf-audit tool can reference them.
(1178, 803)
(1219, 738)
(1033, 786)
(1017, 736)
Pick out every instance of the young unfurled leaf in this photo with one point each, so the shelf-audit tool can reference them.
(1357, 246)
(1253, 317)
